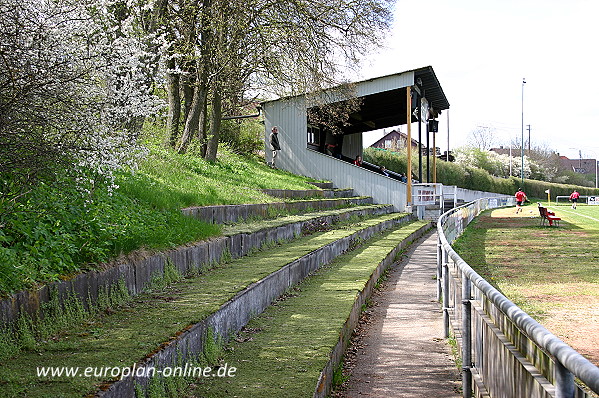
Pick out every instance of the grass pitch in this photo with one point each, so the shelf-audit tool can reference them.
(552, 273)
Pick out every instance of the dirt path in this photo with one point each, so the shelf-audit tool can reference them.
(399, 350)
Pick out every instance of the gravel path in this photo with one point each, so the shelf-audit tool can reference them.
(399, 349)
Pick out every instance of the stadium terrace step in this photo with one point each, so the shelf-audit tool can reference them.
(137, 272)
(160, 328)
(228, 214)
(294, 347)
(308, 193)
(323, 185)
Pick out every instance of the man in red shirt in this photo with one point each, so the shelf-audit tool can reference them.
(520, 198)
(574, 198)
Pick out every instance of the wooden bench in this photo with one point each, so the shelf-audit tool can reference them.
(548, 215)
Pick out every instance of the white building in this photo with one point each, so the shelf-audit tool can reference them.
(384, 103)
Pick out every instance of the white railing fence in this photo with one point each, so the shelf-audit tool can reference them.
(505, 353)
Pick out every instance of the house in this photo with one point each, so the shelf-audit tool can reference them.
(395, 141)
(582, 166)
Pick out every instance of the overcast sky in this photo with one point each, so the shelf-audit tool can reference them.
(482, 49)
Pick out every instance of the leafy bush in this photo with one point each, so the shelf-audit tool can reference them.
(243, 137)
(60, 230)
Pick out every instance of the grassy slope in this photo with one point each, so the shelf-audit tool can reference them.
(551, 273)
(59, 230)
(186, 180)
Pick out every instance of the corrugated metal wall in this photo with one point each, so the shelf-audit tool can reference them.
(290, 116)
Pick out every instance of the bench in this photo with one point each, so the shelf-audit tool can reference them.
(548, 215)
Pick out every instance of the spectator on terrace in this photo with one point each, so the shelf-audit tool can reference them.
(358, 161)
(333, 150)
(274, 144)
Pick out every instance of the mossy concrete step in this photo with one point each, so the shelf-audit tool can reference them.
(293, 348)
(137, 270)
(309, 193)
(252, 300)
(169, 325)
(323, 185)
(228, 214)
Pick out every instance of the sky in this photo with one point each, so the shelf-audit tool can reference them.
(481, 50)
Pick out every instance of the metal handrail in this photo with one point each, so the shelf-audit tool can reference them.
(564, 355)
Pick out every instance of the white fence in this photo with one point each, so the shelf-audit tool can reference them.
(505, 353)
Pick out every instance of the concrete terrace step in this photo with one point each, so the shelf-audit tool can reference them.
(136, 272)
(310, 193)
(323, 185)
(160, 328)
(228, 214)
(293, 348)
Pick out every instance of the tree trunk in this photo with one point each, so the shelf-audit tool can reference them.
(192, 121)
(196, 118)
(174, 104)
(215, 122)
(187, 83)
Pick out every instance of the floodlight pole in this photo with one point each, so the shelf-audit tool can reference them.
(522, 141)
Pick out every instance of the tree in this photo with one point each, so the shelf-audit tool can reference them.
(229, 49)
(69, 88)
(482, 138)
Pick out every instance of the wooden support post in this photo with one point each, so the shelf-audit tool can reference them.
(409, 143)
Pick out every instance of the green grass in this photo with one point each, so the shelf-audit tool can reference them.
(124, 336)
(282, 351)
(552, 273)
(587, 216)
(187, 180)
(58, 230)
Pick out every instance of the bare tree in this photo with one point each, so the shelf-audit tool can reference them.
(482, 138)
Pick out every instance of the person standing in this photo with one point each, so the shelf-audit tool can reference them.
(520, 199)
(358, 160)
(274, 145)
(574, 198)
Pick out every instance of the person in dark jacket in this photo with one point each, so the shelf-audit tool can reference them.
(274, 144)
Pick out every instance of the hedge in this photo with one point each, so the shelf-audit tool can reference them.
(449, 173)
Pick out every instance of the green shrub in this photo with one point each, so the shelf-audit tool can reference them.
(244, 137)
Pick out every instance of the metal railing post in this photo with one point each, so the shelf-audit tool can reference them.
(466, 338)
(564, 382)
(445, 278)
(439, 270)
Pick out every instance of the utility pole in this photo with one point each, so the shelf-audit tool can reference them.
(528, 125)
(522, 140)
(409, 126)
